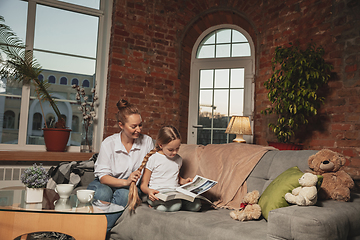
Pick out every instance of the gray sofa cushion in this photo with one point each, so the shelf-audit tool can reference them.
(273, 163)
(327, 220)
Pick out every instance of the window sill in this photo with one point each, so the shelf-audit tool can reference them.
(28, 156)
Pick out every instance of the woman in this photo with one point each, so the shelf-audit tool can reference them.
(119, 158)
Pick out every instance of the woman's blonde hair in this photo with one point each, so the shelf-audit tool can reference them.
(125, 109)
(165, 135)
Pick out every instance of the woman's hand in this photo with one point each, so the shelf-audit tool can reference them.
(134, 176)
(183, 181)
(152, 193)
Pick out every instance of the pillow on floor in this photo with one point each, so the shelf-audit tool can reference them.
(274, 195)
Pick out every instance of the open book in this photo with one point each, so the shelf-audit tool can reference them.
(189, 191)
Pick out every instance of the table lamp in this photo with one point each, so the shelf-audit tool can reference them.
(239, 125)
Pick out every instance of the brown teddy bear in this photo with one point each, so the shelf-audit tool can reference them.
(249, 209)
(336, 182)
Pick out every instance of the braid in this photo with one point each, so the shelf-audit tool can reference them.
(146, 158)
(134, 199)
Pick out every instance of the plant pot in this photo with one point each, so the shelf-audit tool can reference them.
(56, 139)
(286, 146)
(34, 195)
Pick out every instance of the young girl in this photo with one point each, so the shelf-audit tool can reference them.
(162, 172)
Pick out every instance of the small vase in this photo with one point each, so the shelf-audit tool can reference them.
(34, 195)
(86, 143)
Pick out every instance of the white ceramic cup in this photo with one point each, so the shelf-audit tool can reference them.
(64, 190)
(85, 195)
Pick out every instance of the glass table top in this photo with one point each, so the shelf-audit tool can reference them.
(14, 200)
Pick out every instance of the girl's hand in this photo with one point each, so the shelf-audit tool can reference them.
(134, 176)
(185, 180)
(152, 193)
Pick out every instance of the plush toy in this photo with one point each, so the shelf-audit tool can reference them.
(336, 182)
(306, 194)
(249, 209)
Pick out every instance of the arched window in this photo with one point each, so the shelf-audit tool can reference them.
(63, 81)
(41, 77)
(37, 118)
(9, 119)
(221, 83)
(86, 83)
(52, 79)
(75, 81)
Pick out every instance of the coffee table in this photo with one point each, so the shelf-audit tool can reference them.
(69, 216)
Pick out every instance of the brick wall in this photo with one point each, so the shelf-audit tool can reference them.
(150, 55)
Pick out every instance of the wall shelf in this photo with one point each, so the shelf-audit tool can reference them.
(28, 156)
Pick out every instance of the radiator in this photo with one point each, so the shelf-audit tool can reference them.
(11, 175)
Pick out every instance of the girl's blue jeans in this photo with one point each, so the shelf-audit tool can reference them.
(105, 193)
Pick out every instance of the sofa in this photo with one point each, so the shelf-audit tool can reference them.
(326, 220)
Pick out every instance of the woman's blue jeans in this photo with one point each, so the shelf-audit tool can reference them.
(105, 193)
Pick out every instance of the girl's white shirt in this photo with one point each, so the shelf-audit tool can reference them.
(114, 160)
(164, 172)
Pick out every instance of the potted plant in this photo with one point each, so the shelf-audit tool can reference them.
(294, 88)
(21, 66)
(35, 179)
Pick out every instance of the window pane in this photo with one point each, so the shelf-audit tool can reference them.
(86, 3)
(203, 136)
(9, 119)
(238, 37)
(223, 36)
(223, 50)
(240, 50)
(237, 78)
(206, 78)
(10, 91)
(67, 32)
(17, 21)
(222, 78)
(219, 137)
(209, 39)
(205, 117)
(221, 99)
(237, 102)
(206, 51)
(64, 63)
(205, 108)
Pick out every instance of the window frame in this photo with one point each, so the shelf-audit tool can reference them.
(248, 63)
(101, 69)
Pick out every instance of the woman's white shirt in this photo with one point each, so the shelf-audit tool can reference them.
(164, 172)
(114, 160)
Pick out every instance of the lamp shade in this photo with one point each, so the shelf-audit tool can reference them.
(239, 125)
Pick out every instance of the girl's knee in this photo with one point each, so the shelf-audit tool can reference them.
(194, 206)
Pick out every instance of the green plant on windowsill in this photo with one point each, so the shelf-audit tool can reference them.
(293, 88)
(21, 66)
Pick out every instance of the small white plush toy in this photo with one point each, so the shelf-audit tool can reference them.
(306, 195)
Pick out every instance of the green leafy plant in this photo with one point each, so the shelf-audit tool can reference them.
(21, 66)
(293, 88)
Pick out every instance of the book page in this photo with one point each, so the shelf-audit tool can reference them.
(198, 186)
